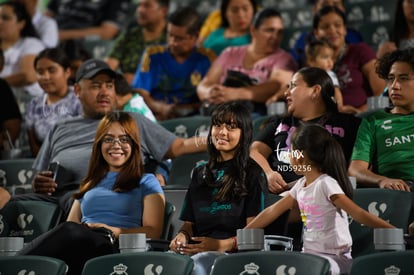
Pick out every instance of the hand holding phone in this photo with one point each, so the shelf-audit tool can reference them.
(54, 168)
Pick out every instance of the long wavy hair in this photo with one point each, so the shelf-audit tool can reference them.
(324, 152)
(233, 184)
(131, 172)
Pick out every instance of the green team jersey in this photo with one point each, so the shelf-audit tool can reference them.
(386, 141)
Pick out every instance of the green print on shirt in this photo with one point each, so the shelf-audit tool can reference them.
(392, 141)
(220, 174)
(215, 207)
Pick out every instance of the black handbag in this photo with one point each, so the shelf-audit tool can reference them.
(234, 79)
(238, 79)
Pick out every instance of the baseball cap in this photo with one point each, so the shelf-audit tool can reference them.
(91, 67)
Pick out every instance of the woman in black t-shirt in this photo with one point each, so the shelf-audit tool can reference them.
(226, 192)
(310, 98)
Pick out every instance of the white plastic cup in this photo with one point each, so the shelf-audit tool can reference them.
(389, 239)
(135, 242)
(377, 102)
(9, 246)
(250, 239)
(276, 108)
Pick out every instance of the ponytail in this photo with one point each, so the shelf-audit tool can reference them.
(334, 165)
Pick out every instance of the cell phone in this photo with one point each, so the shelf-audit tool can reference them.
(54, 167)
(191, 241)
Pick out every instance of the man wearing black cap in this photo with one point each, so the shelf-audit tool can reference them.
(70, 141)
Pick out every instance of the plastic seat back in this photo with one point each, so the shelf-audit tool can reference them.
(168, 216)
(16, 175)
(270, 262)
(398, 262)
(28, 219)
(390, 205)
(188, 126)
(181, 168)
(164, 263)
(29, 264)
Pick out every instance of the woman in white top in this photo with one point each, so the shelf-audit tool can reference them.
(19, 41)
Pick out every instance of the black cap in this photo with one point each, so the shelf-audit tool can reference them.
(92, 67)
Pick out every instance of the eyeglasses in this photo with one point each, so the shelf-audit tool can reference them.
(121, 140)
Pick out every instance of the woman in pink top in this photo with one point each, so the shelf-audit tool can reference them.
(268, 66)
(354, 63)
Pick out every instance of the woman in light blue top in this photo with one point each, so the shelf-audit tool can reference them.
(115, 197)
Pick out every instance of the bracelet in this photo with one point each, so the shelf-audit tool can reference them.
(186, 234)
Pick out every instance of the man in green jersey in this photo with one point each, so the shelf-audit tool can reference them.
(383, 154)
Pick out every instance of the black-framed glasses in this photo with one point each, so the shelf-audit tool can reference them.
(124, 140)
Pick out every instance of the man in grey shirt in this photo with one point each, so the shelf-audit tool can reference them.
(70, 141)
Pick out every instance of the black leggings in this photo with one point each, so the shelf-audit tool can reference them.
(71, 242)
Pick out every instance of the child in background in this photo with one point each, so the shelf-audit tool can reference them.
(324, 197)
(320, 54)
(130, 101)
(58, 101)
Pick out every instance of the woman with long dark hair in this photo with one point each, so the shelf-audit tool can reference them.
(225, 193)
